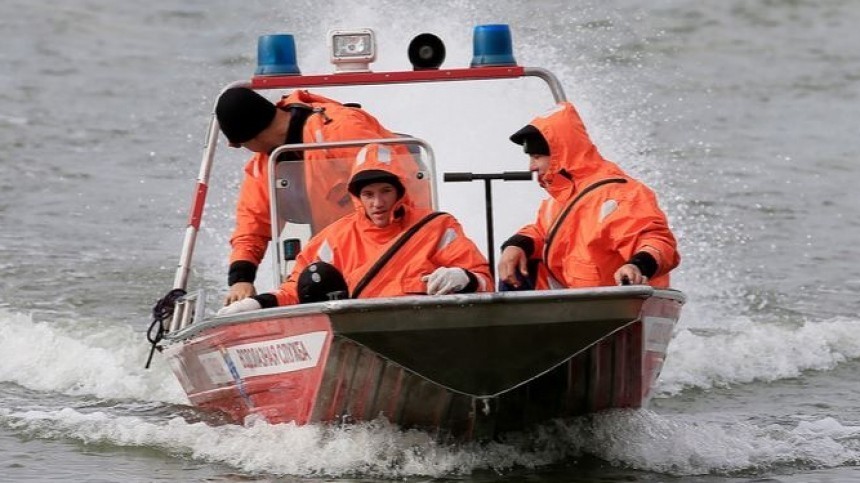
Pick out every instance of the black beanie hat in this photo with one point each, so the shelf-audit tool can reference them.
(243, 114)
(531, 140)
(319, 282)
(370, 176)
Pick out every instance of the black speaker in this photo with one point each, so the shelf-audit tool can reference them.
(426, 51)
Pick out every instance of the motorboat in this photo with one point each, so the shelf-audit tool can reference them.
(467, 366)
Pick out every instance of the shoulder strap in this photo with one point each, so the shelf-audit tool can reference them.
(566, 211)
(298, 115)
(374, 270)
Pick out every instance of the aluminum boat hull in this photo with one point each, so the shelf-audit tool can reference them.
(467, 366)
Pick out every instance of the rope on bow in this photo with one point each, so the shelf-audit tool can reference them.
(162, 311)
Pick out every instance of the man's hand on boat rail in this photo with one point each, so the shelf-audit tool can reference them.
(632, 273)
(513, 260)
(239, 291)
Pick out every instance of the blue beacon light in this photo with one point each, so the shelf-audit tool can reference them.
(492, 46)
(276, 55)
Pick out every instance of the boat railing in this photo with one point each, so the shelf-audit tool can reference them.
(185, 310)
(409, 77)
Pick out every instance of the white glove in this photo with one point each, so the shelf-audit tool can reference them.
(244, 305)
(446, 280)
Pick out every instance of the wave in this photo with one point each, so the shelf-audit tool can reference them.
(640, 440)
(82, 358)
(742, 350)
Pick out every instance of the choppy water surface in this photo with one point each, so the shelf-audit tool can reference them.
(742, 115)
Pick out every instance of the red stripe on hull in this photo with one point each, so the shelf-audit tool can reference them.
(203, 366)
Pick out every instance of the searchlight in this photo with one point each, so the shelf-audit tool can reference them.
(492, 46)
(352, 50)
(276, 55)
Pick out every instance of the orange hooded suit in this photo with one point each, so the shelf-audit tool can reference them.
(353, 244)
(582, 243)
(325, 179)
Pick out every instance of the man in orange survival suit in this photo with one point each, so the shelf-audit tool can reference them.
(437, 259)
(249, 120)
(598, 227)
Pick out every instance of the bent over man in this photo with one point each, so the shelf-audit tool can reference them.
(385, 247)
(598, 227)
(249, 120)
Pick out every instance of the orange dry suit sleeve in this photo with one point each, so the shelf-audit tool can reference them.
(253, 224)
(637, 224)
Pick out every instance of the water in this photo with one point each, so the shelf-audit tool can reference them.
(742, 115)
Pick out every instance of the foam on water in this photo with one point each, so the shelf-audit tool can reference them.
(740, 350)
(681, 446)
(82, 358)
(635, 439)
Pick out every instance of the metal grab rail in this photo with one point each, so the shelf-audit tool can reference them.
(454, 177)
(409, 77)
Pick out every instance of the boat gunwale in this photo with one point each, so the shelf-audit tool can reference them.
(350, 306)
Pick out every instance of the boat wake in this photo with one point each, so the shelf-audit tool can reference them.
(640, 440)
